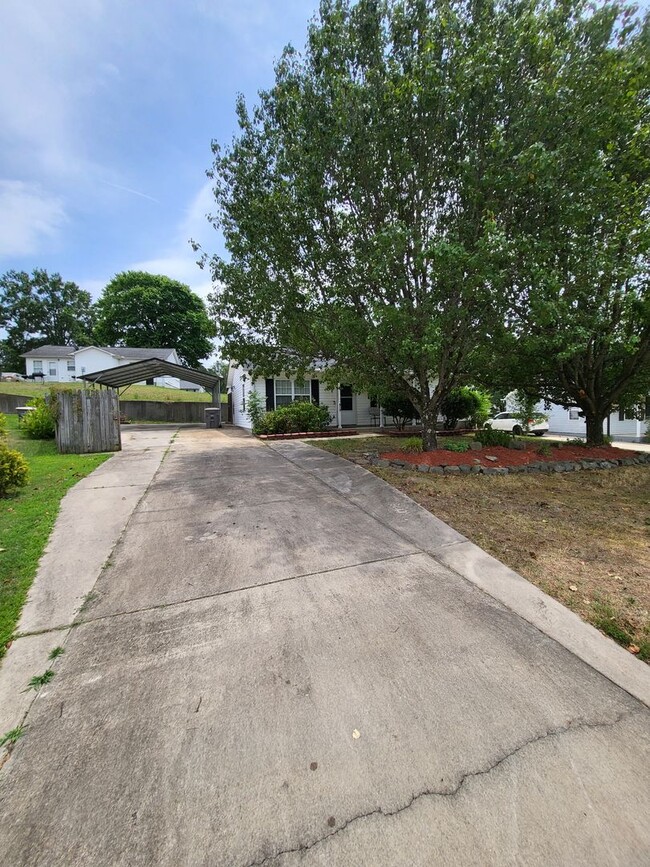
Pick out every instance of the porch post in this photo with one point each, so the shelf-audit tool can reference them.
(381, 417)
(338, 406)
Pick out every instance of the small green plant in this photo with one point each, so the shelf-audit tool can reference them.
(608, 622)
(55, 652)
(40, 680)
(456, 445)
(544, 450)
(3, 428)
(489, 437)
(255, 409)
(9, 738)
(412, 444)
(40, 422)
(14, 472)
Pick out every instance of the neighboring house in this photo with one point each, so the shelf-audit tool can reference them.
(570, 422)
(346, 408)
(66, 363)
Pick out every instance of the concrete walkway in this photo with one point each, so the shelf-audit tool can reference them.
(278, 666)
(92, 516)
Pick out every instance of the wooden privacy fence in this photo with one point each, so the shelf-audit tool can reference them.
(88, 421)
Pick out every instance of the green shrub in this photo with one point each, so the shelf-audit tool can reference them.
(456, 445)
(298, 417)
(544, 450)
(412, 444)
(399, 408)
(489, 437)
(14, 472)
(464, 403)
(3, 428)
(40, 422)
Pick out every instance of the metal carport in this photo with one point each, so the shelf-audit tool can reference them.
(150, 368)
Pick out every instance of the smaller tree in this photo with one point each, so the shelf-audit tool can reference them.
(151, 310)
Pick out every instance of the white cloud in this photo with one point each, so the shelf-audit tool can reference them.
(29, 218)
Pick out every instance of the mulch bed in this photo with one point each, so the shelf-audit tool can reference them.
(508, 457)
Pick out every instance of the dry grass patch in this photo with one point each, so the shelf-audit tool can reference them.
(583, 537)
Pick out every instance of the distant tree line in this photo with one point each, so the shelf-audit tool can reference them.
(135, 309)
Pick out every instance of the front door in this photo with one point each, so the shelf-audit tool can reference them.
(348, 406)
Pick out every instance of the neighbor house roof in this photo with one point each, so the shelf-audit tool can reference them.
(49, 351)
(134, 352)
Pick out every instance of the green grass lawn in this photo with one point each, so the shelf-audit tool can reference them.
(27, 518)
(134, 392)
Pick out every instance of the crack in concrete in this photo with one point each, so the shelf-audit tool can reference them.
(448, 791)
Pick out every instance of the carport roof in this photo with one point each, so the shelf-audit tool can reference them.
(149, 368)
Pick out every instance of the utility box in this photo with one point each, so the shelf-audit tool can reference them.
(213, 416)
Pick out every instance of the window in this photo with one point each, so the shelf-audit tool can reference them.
(52, 367)
(574, 414)
(287, 391)
(70, 365)
(38, 367)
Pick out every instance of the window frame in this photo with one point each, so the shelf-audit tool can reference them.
(291, 395)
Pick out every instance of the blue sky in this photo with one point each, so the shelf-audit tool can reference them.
(107, 111)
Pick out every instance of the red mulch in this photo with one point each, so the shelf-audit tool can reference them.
(508, 457)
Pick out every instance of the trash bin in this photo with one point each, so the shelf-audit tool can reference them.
(213, 416)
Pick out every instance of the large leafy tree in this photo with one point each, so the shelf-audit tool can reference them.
(577, 217)
(427, 172)
(151, 310)
(41, 308)
(357, 202)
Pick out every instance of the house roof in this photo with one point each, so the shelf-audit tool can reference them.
(49, 351)
(149, 368)
(134, 352)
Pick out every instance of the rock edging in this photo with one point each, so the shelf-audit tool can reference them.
(534, 467)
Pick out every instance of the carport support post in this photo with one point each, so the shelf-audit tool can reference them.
(338, 406)
(216, 394)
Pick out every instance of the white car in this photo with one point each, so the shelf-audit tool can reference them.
(507, 421)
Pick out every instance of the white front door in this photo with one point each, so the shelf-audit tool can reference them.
(348, 406)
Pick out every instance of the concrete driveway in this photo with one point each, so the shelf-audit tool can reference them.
(278, 668)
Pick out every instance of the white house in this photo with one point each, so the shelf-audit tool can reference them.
(621, 425)
(346, 407)
(66, 363)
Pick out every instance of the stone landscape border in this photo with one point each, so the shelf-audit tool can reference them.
(320, 434)
(535, 467)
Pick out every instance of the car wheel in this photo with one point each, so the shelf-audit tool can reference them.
(487, 426)
(539, 433)
(517, 431)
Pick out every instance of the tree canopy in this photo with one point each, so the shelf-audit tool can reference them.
(41, 308)
(151, 310)
(577, 221)
(407, 186)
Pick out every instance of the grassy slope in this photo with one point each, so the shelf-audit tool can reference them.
(27, 518)
(135, 392)
(581, 537)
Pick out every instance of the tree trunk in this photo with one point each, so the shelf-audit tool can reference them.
(594, 422)
(429, 420)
